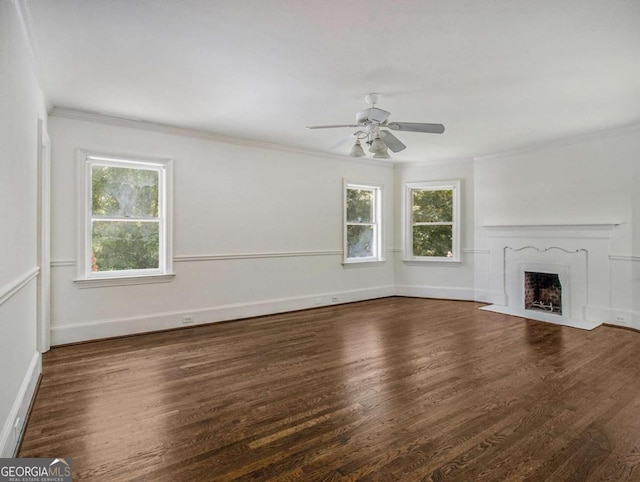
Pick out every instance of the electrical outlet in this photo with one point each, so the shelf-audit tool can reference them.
(621, 318)
(186, 319)
(481, 296)
(335, 299)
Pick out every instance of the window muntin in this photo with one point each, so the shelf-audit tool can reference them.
(125, 231)
(362, 235)
(432, 221)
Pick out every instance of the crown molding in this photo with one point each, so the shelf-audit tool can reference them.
(564, 141)
(441, 162)
(117, 121)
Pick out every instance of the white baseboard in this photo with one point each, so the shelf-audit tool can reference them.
(445, 293)
(11, 435)
(602, 313)
(497, 297)
(624, 318)
(71, 333)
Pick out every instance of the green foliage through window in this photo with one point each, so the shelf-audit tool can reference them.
(125, 223)
(359, 205)
(359, 241)
(432, 206)
(361, 222)
(433, 241)
(124, 192)
(125, 245)
(432, 222)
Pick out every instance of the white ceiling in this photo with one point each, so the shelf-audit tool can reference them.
(499, 74)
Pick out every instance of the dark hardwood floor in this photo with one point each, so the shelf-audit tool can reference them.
(391, 389)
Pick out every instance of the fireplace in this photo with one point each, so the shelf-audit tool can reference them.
(543, 292)
(573, 286)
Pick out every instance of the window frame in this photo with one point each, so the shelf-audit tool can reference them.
(87, 278)
(376, 223)
(410, 187)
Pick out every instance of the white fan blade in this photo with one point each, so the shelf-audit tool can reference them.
(391, 141)
(331, 127)
(347, 140)
(416, 127)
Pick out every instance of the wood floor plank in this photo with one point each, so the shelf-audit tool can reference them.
(389, 389)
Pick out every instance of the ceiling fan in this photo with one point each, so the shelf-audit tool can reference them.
(372, 124)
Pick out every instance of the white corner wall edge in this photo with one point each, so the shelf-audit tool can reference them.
(438, 292)
(10, 435)
(73, 333)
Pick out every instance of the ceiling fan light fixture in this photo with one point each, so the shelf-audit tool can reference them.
(356, 150)
(382, 155)
(378, 147)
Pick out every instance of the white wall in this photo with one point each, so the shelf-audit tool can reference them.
(433, 279)
(273, 215)
(21, 105)
(586, 181)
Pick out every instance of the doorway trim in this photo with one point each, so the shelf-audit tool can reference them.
(44, 239)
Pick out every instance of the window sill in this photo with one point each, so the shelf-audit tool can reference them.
(123, 280)
(363, 263)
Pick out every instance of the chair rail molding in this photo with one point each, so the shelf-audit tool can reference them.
(184, 258)
(278, 254)
(16, 285)
(624, 257)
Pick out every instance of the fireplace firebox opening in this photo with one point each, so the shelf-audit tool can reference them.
(543, 292)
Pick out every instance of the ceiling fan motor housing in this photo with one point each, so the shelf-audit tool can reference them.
(373, 114)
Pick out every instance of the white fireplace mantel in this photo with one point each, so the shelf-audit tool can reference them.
(582, 250)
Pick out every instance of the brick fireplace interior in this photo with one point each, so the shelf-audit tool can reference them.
(543, 292)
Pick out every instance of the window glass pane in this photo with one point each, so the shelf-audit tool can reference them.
(432, 206)
(127, 192)
(121, 245)
(359, 241)
(359, 206)
(433, 241)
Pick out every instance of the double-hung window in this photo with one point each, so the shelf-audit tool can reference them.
(432, 221)
(362, 230)
(125, 226)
